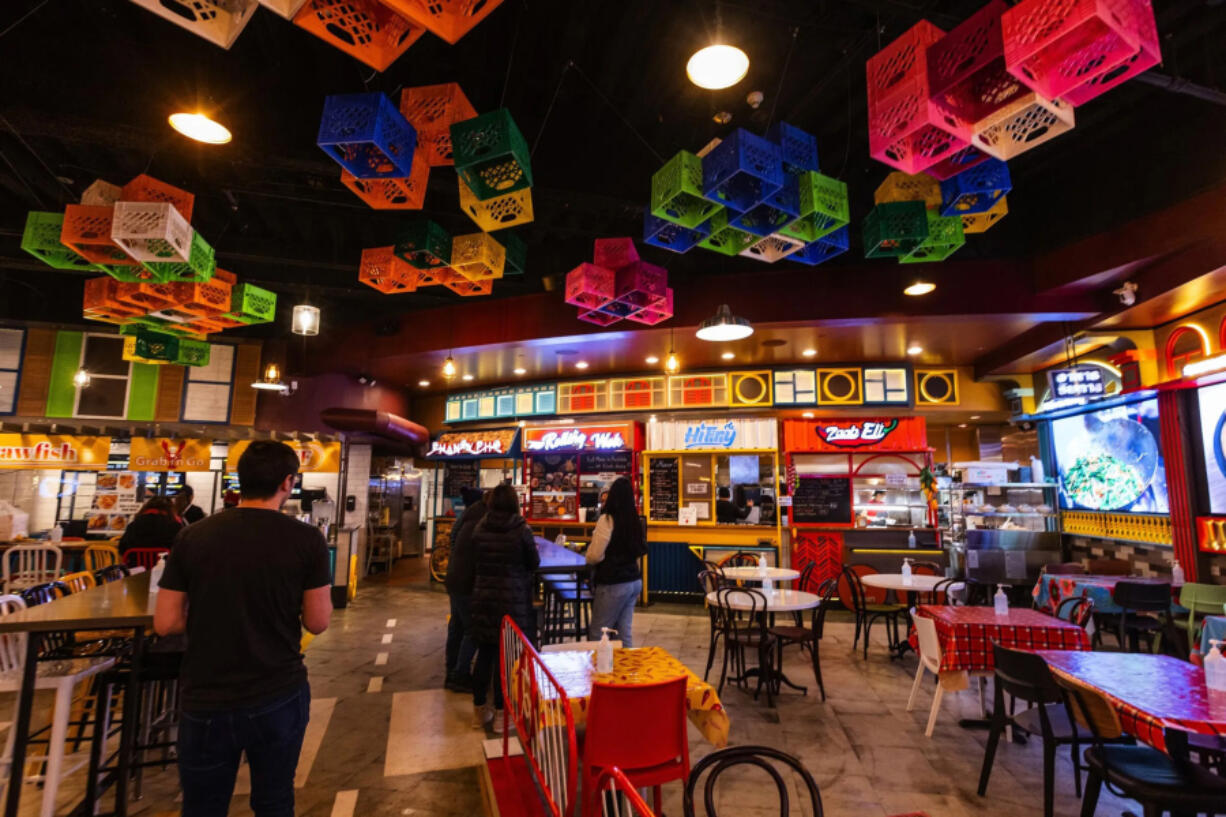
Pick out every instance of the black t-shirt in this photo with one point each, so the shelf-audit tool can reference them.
(244, 571)
(194, 513)
(150, 530)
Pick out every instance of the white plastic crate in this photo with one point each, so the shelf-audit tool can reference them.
(101, 194)
(286, 8)
(218, 21)
(772, 248)
(151, 231)
(1025, 123)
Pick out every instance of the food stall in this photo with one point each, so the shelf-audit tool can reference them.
(860, 490)
(567, 469)
(711, 489)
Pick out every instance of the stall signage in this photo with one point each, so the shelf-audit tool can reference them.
(1082, 381)
(855, 434)
(313, 456)
(18, 451)
(575, 439)
(710, 436)
(493, 443)
(167, 454)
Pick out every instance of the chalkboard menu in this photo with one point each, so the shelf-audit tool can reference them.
(822, 501)
(617, 462)
(457, 475)
(665, 489)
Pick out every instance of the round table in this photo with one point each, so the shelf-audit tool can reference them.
(780, 601)
(895, 581)
(753, 574)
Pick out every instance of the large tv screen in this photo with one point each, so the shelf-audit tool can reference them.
(1111, 459)
(1213, 439)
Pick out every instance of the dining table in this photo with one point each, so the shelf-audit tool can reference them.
(121, 605)
(911, 586)
(1051, 589)
(1212, 628)
(1160, 700)
(759, 574)
(766, 604)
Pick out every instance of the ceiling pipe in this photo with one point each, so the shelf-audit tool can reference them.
(1176, 85)
(383, 424)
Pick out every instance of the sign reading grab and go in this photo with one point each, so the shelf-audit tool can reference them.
(578, 438)
(167, 454)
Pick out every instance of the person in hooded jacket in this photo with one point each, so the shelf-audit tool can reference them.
(459, 581)
(617, 546)
(505, 556)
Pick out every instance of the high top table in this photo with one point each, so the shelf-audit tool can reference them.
(555, 557)
(125, 604)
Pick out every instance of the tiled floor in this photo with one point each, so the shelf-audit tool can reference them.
(389, 742)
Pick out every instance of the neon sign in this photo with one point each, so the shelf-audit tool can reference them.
(705, 436)
(855, 434)
(576, 438)
(1079, 382)
(464, 447)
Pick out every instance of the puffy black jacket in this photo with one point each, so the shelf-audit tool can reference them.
(460, 564)
(505, 556)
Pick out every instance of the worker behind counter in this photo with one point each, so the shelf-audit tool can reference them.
(729, 513)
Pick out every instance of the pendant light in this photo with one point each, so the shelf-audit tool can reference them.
(305, 320)
(920, 287)
(449, 368)
(271, 381)
(724, 326)
(671, 364)
(717, 66)
(200, 127)
(81, 379)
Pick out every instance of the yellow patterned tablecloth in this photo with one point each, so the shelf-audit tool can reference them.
(576, 671)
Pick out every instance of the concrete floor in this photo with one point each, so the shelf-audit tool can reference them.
(387, 741)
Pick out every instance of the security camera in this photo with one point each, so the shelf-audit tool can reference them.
(1127, 293)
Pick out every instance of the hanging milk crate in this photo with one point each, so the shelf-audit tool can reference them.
(41, 239)
(146, 188)
(366, 135)
(251, 304)
(657, 311)
(945, 237)
(129, 353)
(199, 266)
(424, 245)
(797, 148)
(1057, 47)
(825, 248)
(385, 271)
(477, 256)
(904, 60)
(364, 29)
(778, 210)
(285, 8)
(725, 239)
(498, 212)
(742, 171)
(101, 296)
(517, 254)
(405, 193)
(193, 353)
(151, 232)
(639, 284)
(157, 345)
(976, 190)
(664, 234)
(910, 133)
(614, 253)
(101, 194)
(1027, 123)
(676, 192)
(966, 68)
(461, 285)
(432, 110)
(87, 232)
(954, 164)
(446, 19)
(218, 21)
(491, 155)
(980, 222)
(599, 318)
(823, 207)
(589, 286)
(773, 248)
(1149, 54)
(147, 297)
(899, 186)
(893, 229)
(204, 299)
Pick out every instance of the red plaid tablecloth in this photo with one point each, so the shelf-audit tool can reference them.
(1151, 693)
(968, 633)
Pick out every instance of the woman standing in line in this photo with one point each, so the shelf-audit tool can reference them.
(617, 545)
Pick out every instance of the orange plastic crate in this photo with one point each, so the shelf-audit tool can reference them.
(87, 232)
(385, 271)
(407, 193)
(463, 286)
(147, 297)
(447, 19)
(102, 294)
(431, 110)
(365, 29)
(202, 326)
(212, 297)
(147, 188)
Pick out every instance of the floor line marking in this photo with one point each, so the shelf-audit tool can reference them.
(387, 638)
(375, 684)
(345, 803)
(381, 659)
(430, 730)
(391, 622)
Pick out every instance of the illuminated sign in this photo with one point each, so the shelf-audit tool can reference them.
(465, 448)
(595, 438)
(855, 434)
(1083, 381)
(705, 436)
(165, 454)
(42, 451)
(313, 456)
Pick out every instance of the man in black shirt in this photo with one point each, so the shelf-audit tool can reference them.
(242, 583)
(188, 511)
(728, 513)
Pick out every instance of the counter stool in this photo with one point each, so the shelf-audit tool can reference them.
(568, 605)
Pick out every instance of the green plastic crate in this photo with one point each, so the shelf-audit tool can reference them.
(147, 322)
(491, 155)
(823, 207)
(252, 304)
(193, 353)
(199, 267)
(157, 345)
(945, 237)
(894, 228)
(517, 254)
(724, 239)
(424, 245)
(676, 192)
(41, 239)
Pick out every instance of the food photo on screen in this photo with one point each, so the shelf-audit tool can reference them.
(1212, 400)
(1111, 459)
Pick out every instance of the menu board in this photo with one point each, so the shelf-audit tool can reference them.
(457, 475)
(822, 501)
(665, 489)
(113, 504)
(617, 462)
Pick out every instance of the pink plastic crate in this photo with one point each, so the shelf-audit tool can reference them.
(1055, 46)
(900, 62)
(1149, 55)
(966, 68)
(657, 312)
(589, 286)
(910, 133)
(599, 318)
(614, 253)
(639, 283)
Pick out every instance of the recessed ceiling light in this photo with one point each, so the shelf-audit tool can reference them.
(808, 415)
(810, 352)
(974, 416)
(915, 349)
(652, 360)
(961, 425)
(582, 364)
(717, 66)
(467, 377)
(920, 287)
(728, 355)
(423, 383)
(199, 127)
(520, 370)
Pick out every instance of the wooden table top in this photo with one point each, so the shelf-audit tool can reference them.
(125, 603)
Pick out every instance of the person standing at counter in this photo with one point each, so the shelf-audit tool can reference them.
(184, 503)
(459, 581)
(504, 554)
(155, 526)
(727, 513)
(617, 545)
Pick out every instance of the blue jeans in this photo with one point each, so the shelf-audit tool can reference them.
(460, 645)
(211, 744)
(613, 607)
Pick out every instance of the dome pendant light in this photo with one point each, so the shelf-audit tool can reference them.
(305, 320)
(200, 127)
(717, 66)
(724, 326)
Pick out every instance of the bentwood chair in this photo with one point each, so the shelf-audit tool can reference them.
(762, 757)
(809, 638)
(711, 582)
(1077, 610)
(868, 607)
(740, 559)
(747, 635)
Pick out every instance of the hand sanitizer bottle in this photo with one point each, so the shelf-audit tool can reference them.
(1177, 574)
(1215, 667)
(57, 535)
(906, 571)
(155, 576)
(761, 564)
(604, 651)
(1001, 601)
(911, 540)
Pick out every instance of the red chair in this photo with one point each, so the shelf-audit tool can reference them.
(614, 783)
(641, 730)
(143, 557)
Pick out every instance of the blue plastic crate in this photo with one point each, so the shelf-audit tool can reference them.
(742, 171)
(780, 209)
(976, 189)
(824, 248)
(660, 233)
(798, 148)
(367, 136)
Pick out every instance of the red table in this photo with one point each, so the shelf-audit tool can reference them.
(1150, 692)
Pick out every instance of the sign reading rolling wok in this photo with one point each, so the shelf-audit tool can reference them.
(169, 454)
(313, 456)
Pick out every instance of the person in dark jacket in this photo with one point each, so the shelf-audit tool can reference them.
(505, 557)
(617, 545)
(155, 526)
(460, 645)
(186, 507)
(727, 512)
